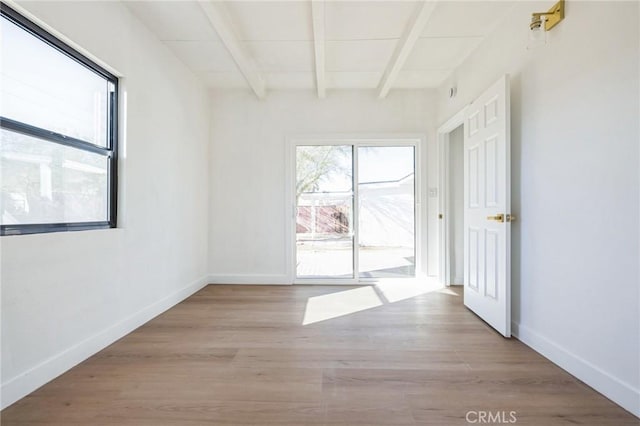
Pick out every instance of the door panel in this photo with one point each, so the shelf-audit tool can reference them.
(491, 160)
(491, 263)
(473, 176)
(487, 207)
(386, 211)
(473, 271)
(324, 218)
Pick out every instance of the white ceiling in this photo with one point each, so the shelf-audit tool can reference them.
(276, 40)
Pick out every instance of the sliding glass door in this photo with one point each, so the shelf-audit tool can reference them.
(324, 218)
(355, 211)
(386, 211)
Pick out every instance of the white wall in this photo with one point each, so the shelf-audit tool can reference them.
(575, 180)
(248, 215)
(67, 295)
(456, 206)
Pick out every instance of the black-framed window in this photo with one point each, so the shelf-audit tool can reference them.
(58, 134)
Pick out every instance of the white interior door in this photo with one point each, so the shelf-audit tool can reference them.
(487, 209)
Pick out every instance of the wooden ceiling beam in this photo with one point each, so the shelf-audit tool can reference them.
(405, 45)
(317, 15)
(221, 21)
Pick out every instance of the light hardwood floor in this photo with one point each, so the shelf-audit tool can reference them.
(241, 355)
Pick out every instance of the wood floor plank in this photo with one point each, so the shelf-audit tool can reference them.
(348, 358)
(249, 355)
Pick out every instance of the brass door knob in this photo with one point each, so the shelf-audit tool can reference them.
(497, 218)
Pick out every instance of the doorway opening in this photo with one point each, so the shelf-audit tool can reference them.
(487, 208)
(451, 200)
(355, 210)
(456, 206)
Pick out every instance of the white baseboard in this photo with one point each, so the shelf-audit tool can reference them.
(613, 388)
(22, 385)
(258, 279)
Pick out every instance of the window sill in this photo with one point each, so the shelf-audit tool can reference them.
(13, 230)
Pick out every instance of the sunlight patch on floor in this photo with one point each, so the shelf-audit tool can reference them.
(449, 292)
(334, 305)
(388, 290)
(395, 290)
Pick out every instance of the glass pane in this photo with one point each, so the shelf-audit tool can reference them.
(44, 182)
(386, 212)
(45, 88)
(324, 223)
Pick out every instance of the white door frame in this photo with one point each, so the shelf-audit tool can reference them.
(444, 224)
(403, 139)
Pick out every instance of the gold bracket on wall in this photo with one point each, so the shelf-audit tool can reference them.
(552, 17)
